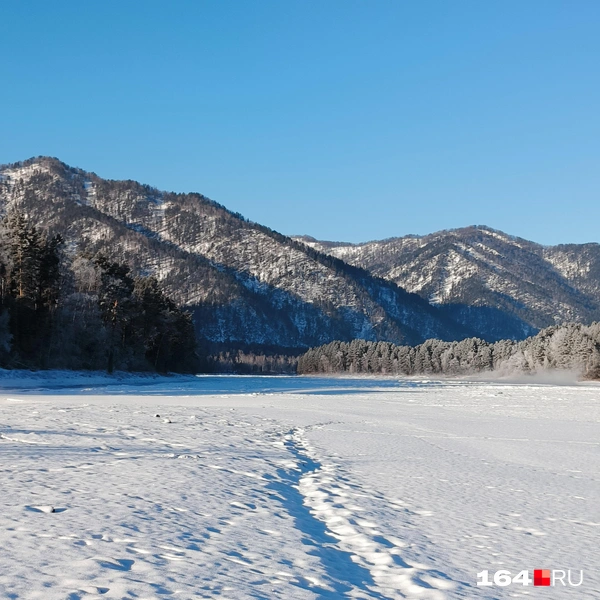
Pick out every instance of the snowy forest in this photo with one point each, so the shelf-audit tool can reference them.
(570, 347)
(63, 309)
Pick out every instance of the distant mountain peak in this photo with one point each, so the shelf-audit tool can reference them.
(532, 285)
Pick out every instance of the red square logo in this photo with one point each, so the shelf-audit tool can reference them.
(541, 577)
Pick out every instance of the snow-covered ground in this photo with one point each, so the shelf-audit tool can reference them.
(294, 487)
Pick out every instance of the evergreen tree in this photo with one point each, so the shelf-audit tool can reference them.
(167, 332)
(117, 306)
(30, 286)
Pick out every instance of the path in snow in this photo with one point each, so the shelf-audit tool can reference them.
(346, 510)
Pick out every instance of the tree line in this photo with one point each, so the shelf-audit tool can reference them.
(570, 346)
(64, 309)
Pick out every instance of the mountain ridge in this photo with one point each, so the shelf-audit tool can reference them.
(482, 267)
(245, 283)
(419, 236)
(252, 286)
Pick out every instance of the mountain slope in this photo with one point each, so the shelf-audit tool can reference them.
(247, 285)
(500, 285)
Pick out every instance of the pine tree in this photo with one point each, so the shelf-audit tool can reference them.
(167, 332)
(30, 286)
(116, 305)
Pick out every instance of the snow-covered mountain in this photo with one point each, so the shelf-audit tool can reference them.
(501, 286)
(246, 284)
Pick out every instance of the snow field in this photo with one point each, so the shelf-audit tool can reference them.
(246, 487)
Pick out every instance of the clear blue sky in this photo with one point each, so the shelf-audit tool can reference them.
(342, 119)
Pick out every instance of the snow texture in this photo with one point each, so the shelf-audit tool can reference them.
(293, 487)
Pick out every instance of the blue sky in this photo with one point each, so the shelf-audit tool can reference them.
(346, 120)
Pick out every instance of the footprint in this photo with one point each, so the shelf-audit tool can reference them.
(92, 589)
(45, 509)
(119, 564)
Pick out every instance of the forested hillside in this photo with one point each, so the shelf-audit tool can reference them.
(573, 346)
(83, 311)
(247, 286)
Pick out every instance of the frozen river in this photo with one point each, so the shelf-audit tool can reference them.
(296, 487)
